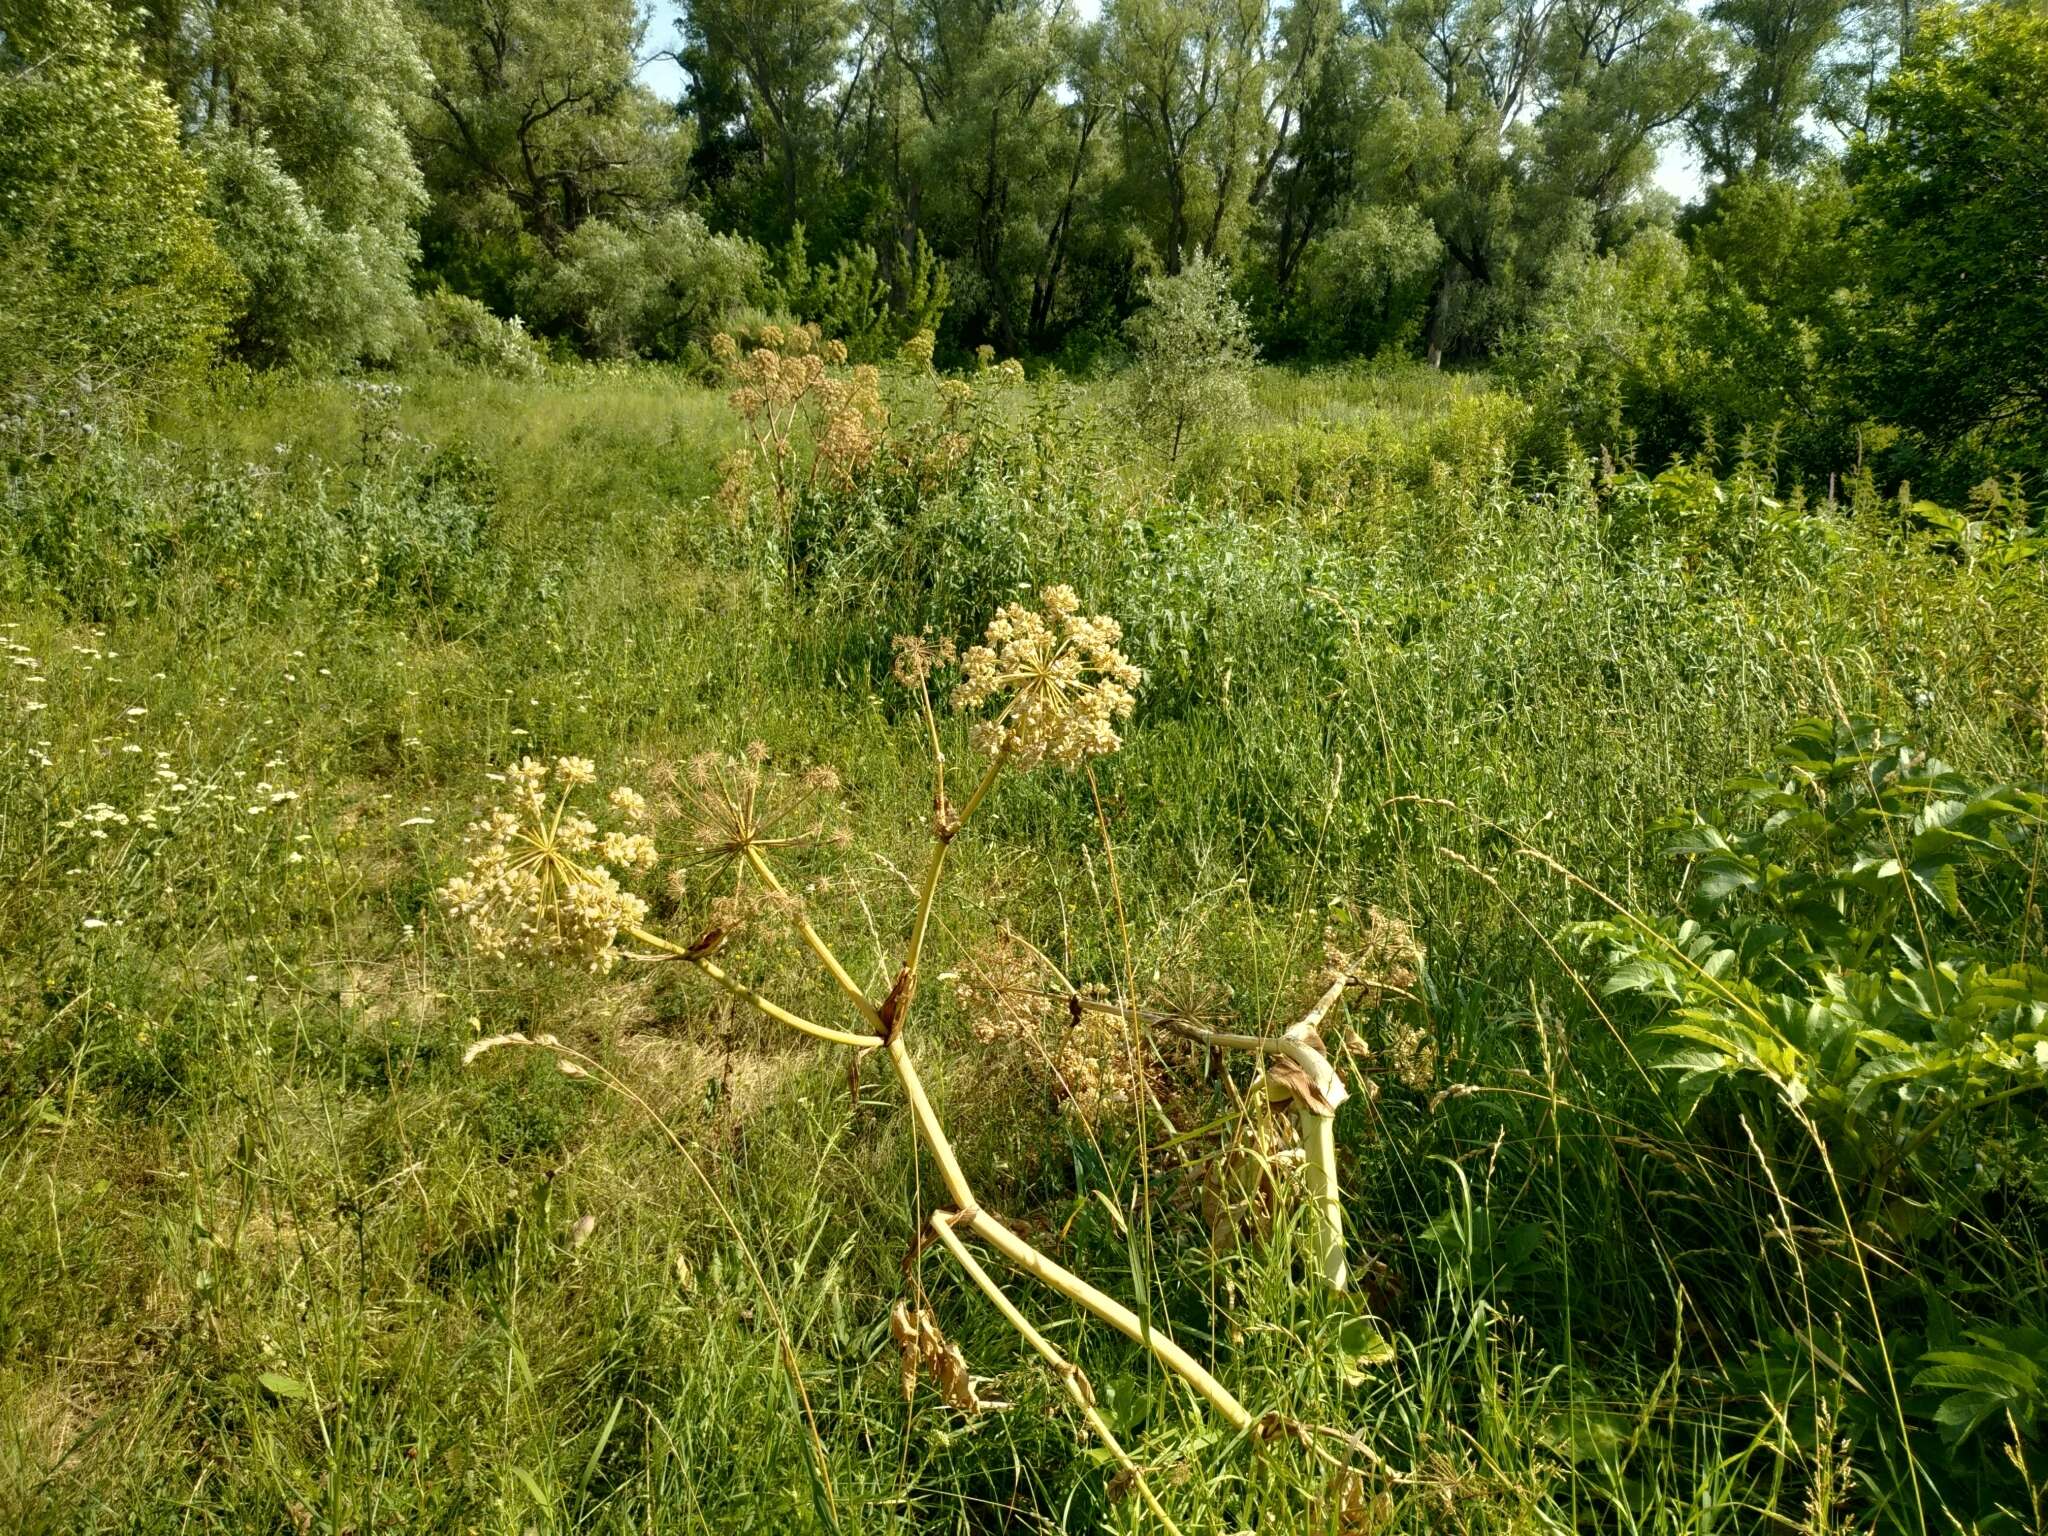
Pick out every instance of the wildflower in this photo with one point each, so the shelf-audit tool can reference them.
(918, 350)
(918, 657)
(737, 805)
(1059, 679)
(530, 885)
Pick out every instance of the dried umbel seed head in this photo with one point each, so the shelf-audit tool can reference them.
(918, 350)
(1191, 998)
(535, 885)
(845, 447)
(1381, 958)
(724, 350)
(771, 381)
(1002, 989)
(737, 806)
(918, 657)
(1098, 1065)
(1411, 1055)
(1057, 679)
(834, 352)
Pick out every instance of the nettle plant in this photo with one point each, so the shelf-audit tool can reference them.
(1862, 948)
(1046, 689)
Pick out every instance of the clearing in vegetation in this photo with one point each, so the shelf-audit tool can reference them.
(1655, 862)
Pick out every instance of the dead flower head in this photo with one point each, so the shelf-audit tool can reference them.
(1002, 989)
(918, 657)
(1380, 957)
(740, 808)
(540, 878)
(1058, 679)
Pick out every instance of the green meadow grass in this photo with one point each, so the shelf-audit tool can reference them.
(272, 1258)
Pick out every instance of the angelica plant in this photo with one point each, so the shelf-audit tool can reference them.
(1047, 687)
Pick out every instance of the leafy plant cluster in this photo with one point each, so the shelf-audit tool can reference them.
(117, 527)
(1859, 979)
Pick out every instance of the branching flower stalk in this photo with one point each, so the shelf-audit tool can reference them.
(1051, 684)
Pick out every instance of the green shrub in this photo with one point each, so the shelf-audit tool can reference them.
(1193, 349)
(648, 290)
(850, 300)
(109, 274)
(311, 179)
(1849, 952)
(1361, 287)
(124, 526)
(465, 333)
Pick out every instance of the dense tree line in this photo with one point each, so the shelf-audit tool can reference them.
(1456, 179)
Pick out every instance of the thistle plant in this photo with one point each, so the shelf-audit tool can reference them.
(1046, 687)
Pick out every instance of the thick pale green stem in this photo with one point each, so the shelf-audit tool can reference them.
(1037, 1265)
(942, 840)
(1070, 1375)
(782, 1015)
(747, 994)
(1113, 1312)
(928, 1125)
(817, 946)
(1319, 1140)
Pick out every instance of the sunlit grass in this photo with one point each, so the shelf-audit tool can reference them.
(271, 1259)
